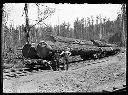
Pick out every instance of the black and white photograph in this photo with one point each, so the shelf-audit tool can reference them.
(63, 48)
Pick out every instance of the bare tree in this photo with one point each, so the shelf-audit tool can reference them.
(27, 22)
(4, 21)
(100, 35)
(47, 12)
(123, 8)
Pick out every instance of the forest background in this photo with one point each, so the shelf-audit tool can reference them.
(113, 32)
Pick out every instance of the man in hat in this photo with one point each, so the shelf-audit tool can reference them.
(66, 53)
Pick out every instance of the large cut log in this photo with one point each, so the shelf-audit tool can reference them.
(46, 49)
(69, 40)
(102, 44)
(29, 51)
(80, 42)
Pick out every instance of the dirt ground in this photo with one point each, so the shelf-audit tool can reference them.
(93, 76)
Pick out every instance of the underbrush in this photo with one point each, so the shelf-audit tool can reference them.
(16, 63)
(12, 59)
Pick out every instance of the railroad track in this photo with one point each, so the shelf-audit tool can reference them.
(91, 62)
(17, 73)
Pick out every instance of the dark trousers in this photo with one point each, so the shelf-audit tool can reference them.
(57, 64)
(67, 63)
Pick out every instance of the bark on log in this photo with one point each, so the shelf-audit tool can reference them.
(29, 51)
(69, 40)
(46, 49)
(102, 44)
(74, 48)
(80, 42)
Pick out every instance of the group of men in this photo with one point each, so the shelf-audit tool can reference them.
(64, 55)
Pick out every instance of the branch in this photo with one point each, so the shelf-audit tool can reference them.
(45, 24)
(41, 20)
(38, 23)
(34, 25)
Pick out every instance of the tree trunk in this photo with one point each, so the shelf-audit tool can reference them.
(123, 21)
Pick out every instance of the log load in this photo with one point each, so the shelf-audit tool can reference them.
(46, 49)
(102, 44)
(69, 40)
(80, 42)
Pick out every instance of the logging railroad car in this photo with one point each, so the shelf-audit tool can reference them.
(45, 50)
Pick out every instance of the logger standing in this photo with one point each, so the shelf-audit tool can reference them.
(56, 60)
(66, 53)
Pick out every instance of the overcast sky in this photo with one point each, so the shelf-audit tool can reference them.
(63, 12)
